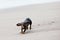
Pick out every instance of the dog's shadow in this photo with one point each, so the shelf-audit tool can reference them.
(34, 31)
(41, 30)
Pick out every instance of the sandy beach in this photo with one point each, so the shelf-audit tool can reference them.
(45, 17)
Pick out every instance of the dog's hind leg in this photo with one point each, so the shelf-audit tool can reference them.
(30, 27)
(30, 24)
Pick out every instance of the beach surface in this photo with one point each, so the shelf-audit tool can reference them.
(45, 18)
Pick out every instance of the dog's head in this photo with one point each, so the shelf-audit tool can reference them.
(18, 24)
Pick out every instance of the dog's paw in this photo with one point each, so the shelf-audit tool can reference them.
(22, 32)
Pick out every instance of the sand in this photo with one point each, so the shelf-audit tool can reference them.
(45, 17)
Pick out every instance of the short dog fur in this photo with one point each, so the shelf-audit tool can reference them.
(24, 25)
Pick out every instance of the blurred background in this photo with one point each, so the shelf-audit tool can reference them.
(14, 3)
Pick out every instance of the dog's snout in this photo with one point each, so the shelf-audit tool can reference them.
(18, 24)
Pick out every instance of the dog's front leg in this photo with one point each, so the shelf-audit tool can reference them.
(22, 29)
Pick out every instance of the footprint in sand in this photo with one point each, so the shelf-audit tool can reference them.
(51, 22)
(38, 24)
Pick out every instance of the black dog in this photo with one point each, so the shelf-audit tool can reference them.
(24, 25)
